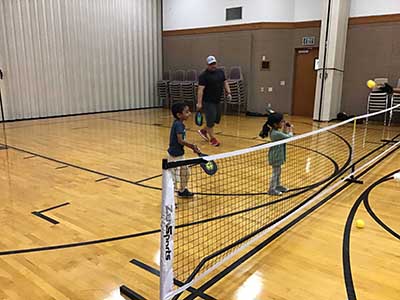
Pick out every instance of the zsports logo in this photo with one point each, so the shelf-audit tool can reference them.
(168, 231)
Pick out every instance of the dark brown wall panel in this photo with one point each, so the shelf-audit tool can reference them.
(372, 51)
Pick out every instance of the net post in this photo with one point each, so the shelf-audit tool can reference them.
(167, 233)
(353, 144)
(352, 179)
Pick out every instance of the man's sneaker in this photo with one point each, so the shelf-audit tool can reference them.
(274, 192)
(282, 189)
(203, 134)
(185, 194)
(214, 142)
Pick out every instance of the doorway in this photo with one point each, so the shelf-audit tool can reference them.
(305, 79)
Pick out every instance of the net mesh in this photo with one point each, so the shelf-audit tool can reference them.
(251, 191)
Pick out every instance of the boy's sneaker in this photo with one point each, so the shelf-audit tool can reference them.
(274, 192)
(185, 194)
(282, 189)
(214, 142)
(203, 134)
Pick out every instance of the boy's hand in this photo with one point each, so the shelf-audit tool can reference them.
(196, 149)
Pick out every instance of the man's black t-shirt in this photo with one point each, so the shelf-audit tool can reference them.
(214, 85)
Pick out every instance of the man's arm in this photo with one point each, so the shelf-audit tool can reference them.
(227, 90)
(200, 93)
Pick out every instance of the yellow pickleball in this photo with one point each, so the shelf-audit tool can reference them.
(209, 166)
(360, 223)
(371, 84)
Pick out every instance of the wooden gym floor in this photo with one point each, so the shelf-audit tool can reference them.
(80, 214)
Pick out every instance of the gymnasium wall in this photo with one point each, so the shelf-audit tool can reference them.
(306, 10)
(360, 8)
(372, 51)
(186, 14)
(70, 57)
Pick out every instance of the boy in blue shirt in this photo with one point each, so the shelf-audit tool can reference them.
(176, 151)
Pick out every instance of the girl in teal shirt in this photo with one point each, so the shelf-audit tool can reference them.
(277, 129)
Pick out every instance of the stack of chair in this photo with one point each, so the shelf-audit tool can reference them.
(175, 86)
(189, 88)
(222, 68)
(237, 87)
(163, 89)
(378, 100)
(395, 100)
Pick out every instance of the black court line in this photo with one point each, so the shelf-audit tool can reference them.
(62, 167)
(375, 143)
(54, 207)
(348, 277)
(78, 244)
(373, 214)
(2, 147)
(44, 217)
(277, 234)
(47, 218)
(72, 117)
(84, 169)
(149, 178)
(29, 157)
(178, 283)
(77, 128)
(390, 141)
(168, 127)
(102, 179)
(127, 292)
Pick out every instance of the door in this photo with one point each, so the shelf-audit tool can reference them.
(305, 79)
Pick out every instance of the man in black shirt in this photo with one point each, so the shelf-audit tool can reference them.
(211, 86)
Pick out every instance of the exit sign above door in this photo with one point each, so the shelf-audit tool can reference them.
(308, 41)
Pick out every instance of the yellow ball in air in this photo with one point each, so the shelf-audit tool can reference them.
(371, 84)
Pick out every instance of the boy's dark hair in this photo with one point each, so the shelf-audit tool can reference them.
(178, 108)
(274, 118)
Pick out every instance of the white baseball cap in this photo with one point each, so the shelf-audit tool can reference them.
(211, 60)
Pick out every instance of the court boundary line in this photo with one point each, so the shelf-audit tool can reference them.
(372, 213)
(78, 115)
(54, 207)
(44, 217)
(82, 168)
(131, 294)
(41, 214)
(346, 261)
(156, 272)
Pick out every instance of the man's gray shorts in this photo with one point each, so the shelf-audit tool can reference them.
(212, 112)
